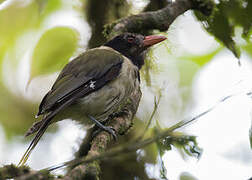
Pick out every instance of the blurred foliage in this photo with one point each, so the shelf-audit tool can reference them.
(10, 171)
(227, 15)
(201, 60)
(14, 21)
(100, 13)
(187, 70)
(163, 171)
(18, 17)
(187, 176)
(149, 67)
(58, 44)
(17, 114)
(250, 137)
(250, 134)
(186, 144)
(53, 50)
(248, 48)
(46, 7)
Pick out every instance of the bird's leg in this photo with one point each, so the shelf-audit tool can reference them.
(108, 129)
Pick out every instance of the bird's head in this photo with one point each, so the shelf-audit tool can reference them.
(133, 46)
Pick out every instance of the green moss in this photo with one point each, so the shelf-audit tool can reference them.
(11, 171)
(108, 29)
(46, 174)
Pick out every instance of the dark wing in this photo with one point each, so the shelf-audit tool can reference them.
(78, 74)
(97, 65)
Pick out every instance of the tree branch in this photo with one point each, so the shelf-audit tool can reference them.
(160, 19)
(137, 144)
(126, 148)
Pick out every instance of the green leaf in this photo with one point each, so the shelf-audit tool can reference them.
(151, 153)
(227, 15)
(15, 19)
(48, 6)
(186, 143)
(187, 176)
(17, 113)
(187, 70)
(53, 50)
(248, 48)
(201, 60)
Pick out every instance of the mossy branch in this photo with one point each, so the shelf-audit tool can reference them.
(160, 19)
(97, 153)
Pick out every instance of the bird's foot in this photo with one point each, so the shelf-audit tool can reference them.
(108, 129)
(102, 127)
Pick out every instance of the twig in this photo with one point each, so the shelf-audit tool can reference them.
(156, 103)
(136, 144)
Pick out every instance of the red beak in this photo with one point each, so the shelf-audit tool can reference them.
(153, 39)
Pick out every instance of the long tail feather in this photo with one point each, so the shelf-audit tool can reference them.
(35, 127)
(46, 122)
(35, 140)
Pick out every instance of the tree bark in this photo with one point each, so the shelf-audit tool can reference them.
(160, 19)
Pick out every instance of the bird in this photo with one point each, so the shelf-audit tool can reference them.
(94, 85)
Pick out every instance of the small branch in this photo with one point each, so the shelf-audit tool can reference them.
(135, 145)
(160, 19)
(156, 104)
(83, 164)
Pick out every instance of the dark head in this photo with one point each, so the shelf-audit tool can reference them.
(133, 46)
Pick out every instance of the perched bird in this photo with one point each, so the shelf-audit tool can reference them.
(94, 85)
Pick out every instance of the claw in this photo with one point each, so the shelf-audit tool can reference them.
(108, 129)
(112, 131)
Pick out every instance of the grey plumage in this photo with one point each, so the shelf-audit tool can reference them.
(94, 85)
(82, 86)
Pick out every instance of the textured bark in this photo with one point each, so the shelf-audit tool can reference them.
(160, 19)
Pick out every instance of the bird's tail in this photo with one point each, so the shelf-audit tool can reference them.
(35, 127)
(44, 124)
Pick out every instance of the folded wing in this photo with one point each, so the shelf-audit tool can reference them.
(82, 76)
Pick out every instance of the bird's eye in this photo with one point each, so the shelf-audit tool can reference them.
(130, 39)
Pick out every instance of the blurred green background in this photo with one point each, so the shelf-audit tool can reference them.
(190, 71)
